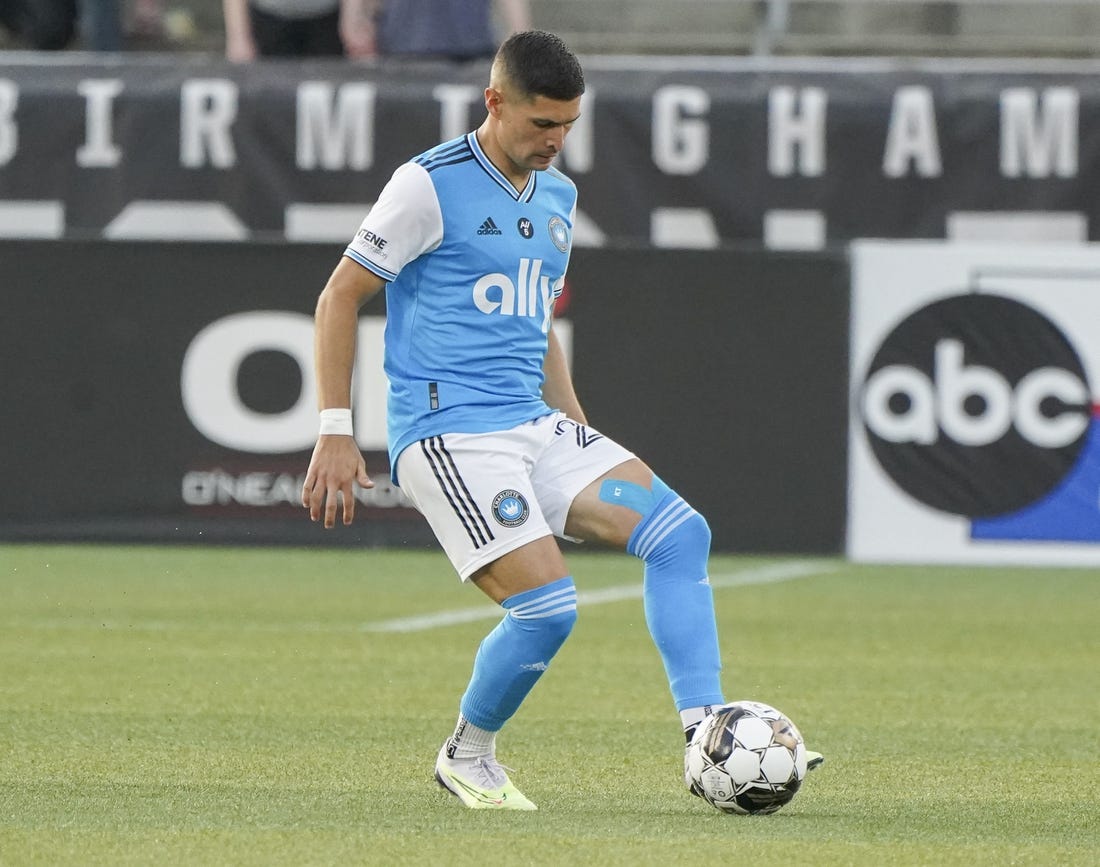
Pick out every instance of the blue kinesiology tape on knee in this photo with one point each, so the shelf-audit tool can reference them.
(514, 655)
(673, 540)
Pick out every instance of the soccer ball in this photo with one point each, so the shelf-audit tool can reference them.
(746, 757)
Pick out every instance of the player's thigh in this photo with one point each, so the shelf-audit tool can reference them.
(570, 477)
(608, 509)
(476, 493)
(532, 565)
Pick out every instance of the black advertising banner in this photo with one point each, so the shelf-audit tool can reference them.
(726, 373)
(674, 152)
(164, 391)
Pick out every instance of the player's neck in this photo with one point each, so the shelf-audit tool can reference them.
(518, 178)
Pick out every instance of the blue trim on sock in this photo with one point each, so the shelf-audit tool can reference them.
(527, 596)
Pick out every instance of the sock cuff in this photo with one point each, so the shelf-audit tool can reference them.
(469, 740)
(556, 597)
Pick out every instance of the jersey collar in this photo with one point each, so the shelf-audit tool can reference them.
(483, 160)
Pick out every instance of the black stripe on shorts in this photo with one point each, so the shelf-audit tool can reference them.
(455, 490)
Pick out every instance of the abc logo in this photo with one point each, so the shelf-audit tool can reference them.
(976, 405)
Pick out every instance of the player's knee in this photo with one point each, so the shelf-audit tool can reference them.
(703, 529)
(672, 532)
(688, 542)
(550, 612)
(557, 627)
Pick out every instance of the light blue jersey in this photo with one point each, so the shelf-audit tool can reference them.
(474, 268)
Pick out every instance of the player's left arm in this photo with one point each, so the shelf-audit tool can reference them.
(557, 386)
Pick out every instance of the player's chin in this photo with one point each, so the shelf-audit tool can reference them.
(541, 162)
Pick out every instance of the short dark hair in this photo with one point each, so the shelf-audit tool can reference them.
(540, 64)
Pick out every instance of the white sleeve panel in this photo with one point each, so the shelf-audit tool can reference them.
(404, 223)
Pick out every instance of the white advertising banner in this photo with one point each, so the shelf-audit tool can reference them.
(974, 435)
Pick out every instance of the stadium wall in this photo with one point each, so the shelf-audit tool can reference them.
(163, 391)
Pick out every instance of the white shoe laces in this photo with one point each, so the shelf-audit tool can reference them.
(489, 773)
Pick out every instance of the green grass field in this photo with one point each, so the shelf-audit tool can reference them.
(247, 706)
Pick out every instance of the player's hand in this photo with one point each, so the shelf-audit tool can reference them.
(335, 465)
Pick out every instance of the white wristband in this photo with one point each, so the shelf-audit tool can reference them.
(336, 421)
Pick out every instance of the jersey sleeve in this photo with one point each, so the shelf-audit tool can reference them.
(404, 223)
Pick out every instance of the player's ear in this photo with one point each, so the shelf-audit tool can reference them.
(494, 99)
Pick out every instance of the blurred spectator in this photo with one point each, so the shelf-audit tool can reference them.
(148, 18)
(452, 29)
(46, 25)
(51, 25)
(294, 28)
(101, 24)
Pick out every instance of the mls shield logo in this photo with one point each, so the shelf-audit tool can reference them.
(510, 508)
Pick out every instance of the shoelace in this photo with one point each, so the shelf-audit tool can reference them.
(491, 773)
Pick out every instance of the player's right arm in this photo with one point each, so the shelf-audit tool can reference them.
(337, 461)
(404, 223)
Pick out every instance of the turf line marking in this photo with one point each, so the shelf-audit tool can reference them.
(772, 574)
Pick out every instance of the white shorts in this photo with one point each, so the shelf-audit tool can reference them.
(485, 494)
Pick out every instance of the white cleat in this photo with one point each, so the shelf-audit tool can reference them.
(480, 783)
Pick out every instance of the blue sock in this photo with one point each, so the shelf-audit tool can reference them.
(673, 540)
(514, 655)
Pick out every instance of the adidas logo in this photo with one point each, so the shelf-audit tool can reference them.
(489, 228)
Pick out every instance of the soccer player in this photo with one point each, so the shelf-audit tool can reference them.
(470, 241)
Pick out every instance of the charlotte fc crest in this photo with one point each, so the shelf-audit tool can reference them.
(510, 508)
